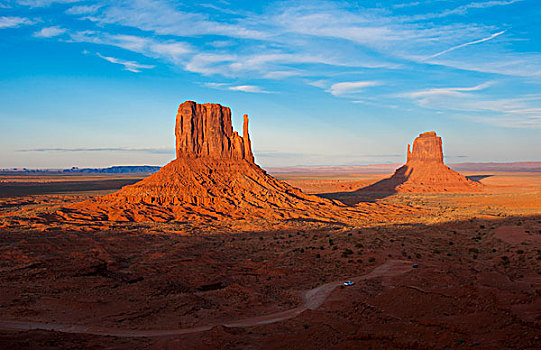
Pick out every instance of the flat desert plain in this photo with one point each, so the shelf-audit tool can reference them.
(431, 271)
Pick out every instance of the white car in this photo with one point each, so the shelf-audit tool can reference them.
(348, 283)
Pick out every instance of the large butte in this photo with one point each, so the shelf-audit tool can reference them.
(213, 177)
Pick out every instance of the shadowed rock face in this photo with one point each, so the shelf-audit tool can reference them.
(425, 171)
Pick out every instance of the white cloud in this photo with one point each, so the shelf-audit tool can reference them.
(164, 18)
(345, 88)
(461, 10)
(128, 65)
(313, 39)
(12, 22)
(522, 111)
(49, 32)
(318, 83)
(466, 44)
(478, 5)
(165, 49)
(446, 91)
(247, 88)
(281, 74)
(173, 50)
(242, 88)
(44, 3)
(83, 9)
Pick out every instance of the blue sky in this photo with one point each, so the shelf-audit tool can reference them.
(97, 83)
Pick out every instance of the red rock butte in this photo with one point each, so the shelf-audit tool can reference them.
(213, 177)
(204, 130)
(425, 171)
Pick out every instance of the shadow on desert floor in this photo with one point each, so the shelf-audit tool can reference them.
(355, 197)
(478, 178)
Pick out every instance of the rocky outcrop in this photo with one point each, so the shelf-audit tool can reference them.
(213, 177)
(427, 148)
(425, 171)
(205, 131)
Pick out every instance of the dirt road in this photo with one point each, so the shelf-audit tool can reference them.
(312, 299)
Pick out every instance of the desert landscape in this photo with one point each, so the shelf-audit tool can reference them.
(301, 174)
(213, 252)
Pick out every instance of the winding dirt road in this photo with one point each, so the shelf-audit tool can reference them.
(312, 299)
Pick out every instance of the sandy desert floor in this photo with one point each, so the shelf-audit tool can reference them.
(179, 285)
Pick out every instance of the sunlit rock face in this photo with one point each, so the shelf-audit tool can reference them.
(205, 130)
(427, 147)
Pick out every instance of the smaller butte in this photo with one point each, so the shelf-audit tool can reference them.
(425, 171)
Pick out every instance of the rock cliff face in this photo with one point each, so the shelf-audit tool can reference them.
(425, 171)
(427, 148)
(213, 177)
(205, 131)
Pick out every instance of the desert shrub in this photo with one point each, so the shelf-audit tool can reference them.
(505, 260)
(347, 252)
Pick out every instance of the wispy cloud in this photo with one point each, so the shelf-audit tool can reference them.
(102, 149)
(514, 112)
(345, 88)
(13, 22)
(44, 3)
(247, 88)
(49, 32)
(128, 65)
(457, 11)
(466, 44)
(446, 91)
(242, 88)
(164, 18)
(478, 5)
(288, 39)
(169, 50)
(83, 9)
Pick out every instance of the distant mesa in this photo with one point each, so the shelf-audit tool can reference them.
(213, 177)
(425, 171)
